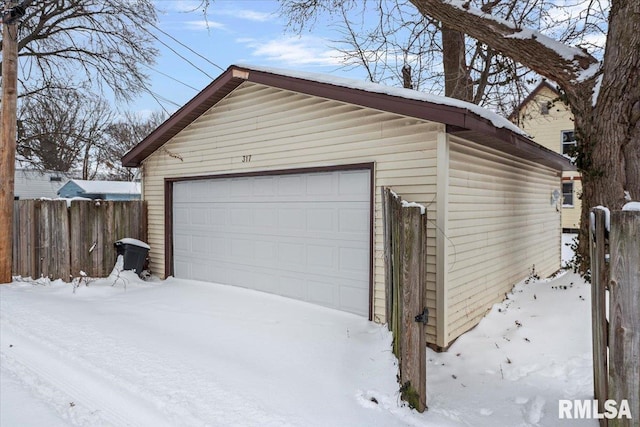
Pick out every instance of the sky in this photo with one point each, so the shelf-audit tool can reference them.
(197, 45)
(195, 49)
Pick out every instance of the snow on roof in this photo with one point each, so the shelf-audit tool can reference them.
(108, 187)
(496, 119)
(567, 52)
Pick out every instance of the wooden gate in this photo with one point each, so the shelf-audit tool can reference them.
(615, 266)
(405, 244)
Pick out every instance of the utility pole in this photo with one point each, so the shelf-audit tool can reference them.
(8, 137)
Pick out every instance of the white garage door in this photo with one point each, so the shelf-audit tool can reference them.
(304, 236)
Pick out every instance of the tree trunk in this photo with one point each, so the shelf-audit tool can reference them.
(457, 80)
(609, 133)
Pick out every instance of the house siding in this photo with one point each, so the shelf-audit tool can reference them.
(282, 130)
(70, 190)
(571, 214)
(546, 130)
(500, 223)
(33, 184)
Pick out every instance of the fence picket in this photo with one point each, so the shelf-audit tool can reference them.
(598, 308)
(624, 314)
(405, 256)
(55, 241)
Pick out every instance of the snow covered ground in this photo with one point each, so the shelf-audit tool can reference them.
(187, 353)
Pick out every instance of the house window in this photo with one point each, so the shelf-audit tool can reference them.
(568, 142)
(55, 179)
(544, 108)
(567, 193)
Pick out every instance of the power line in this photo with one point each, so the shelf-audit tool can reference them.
(183, 45)
(172, 78)
(176, 52)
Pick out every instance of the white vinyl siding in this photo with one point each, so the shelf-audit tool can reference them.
(284, 130)
(501, 223)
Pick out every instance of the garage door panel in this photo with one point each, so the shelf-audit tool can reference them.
(353, 220)
(322, 219)
(323, 293)
(322, 257)
(321, 185)
(336, 259)
(264, 186)
(265, 217)
(351, 184)
(304, 236)
(353, 259)
(291, 185)
(291, 218)
(350, 297)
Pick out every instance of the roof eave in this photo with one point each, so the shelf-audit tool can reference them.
(208, 97)
(459, 121)
(517, 145)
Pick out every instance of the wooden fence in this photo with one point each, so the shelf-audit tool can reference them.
(405, 248)
(616, 343)
(56, 241)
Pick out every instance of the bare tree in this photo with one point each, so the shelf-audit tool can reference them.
(123, 134)
(442, 60)
(101, 42)
(604, 95)
(63, 130)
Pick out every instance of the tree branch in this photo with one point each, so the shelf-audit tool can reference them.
(563, 64)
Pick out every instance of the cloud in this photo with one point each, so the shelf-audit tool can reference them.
(246, 14)
(180, 6)
(203, 24)
(294, 51)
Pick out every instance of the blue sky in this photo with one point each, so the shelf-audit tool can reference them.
(234, 32)
(251, 32)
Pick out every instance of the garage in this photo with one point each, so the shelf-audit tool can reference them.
(271, 179)
(302, 235)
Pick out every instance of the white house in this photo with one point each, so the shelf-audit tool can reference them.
(35, 184)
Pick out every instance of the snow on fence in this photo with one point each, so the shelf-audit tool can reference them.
(615, 265)
(405, 251)
(54, 239)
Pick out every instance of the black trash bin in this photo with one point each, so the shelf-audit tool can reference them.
(134, 253)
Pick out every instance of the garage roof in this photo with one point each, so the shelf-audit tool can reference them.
(463, 119)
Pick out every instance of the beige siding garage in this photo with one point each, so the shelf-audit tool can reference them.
(501, 224)
(259, 128)
(486, 187)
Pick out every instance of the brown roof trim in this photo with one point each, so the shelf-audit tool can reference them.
(517, 145)
(207, 98)
(459, 121)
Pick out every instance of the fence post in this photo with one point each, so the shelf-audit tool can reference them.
(624, 314)
(598, 308)
(396, 263)
(405, 233)
(413, 346)
(388, 269)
